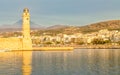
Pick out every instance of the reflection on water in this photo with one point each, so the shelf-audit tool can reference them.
(15, 63)
(78, 62)
(27, 60)
(10, 63)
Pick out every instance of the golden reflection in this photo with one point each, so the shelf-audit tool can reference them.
(93, 61)
(27, 61)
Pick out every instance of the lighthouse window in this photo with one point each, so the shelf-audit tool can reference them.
(27, 19)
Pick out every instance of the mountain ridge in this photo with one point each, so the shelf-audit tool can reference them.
(110, 24)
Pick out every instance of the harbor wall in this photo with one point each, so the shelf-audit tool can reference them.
(11, 43)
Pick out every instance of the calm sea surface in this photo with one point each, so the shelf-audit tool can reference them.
(77, 62)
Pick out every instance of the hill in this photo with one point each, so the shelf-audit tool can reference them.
(56, 27)
(110, 25)
(17, 26)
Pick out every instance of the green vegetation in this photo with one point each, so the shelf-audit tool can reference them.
(36, 41)
(100, 41)
(80, 43)
(118, 42)
(48, 43)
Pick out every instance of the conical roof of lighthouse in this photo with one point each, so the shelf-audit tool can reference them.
(26, 10)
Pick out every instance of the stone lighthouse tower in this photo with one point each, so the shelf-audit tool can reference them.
(27, 43)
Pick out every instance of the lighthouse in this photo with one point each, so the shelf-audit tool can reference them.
(27, 42)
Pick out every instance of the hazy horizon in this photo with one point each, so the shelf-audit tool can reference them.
(68, 12)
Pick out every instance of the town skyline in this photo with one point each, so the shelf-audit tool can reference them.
(45, 12)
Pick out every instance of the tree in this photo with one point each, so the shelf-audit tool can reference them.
(98, 41)
(36, 41)
(80, 42)
(48, 43)
(118, 42)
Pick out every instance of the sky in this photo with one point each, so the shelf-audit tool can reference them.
(65, 12)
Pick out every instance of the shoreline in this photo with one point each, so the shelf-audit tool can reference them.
(98, 47)
(106, 46)
(70, 48)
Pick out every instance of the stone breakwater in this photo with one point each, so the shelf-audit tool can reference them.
(53, 48)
